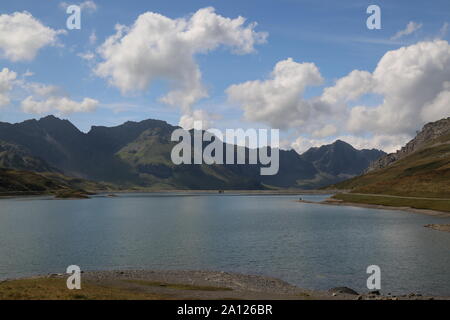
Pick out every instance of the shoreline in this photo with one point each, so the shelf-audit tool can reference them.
(178, 284)
(332, 202)
(107, 193)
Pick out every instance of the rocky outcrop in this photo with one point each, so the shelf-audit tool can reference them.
(429, 132)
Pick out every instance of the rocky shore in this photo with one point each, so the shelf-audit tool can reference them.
(196, 285)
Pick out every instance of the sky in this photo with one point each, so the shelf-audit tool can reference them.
(310, 68)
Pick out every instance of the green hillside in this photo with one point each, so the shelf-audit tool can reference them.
(423, 173)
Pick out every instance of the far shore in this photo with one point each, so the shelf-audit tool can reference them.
(333, 202)
(179, 285)
(130, 191)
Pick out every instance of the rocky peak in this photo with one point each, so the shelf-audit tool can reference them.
(429, 132)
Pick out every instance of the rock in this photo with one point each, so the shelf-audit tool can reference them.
(55, 275)
(359, 297)
(429, 132)
(343, 290)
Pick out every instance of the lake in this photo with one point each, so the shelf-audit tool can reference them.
(312, 246)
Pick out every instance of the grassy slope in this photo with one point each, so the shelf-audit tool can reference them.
(17, 182)
(56, 289)
(425, 173)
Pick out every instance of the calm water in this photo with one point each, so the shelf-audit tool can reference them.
(313, 246)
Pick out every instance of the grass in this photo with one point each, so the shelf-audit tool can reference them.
(56, 289)
(178, 286)
(424, 173)
(71, 194)
(437, 204)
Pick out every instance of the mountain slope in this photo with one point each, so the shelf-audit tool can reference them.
(16, 157)
(421, 168)
(340, 158)
(137, 154)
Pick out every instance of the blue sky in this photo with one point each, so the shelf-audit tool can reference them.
(331, 34)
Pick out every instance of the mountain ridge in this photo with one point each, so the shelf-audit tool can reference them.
(138, 154)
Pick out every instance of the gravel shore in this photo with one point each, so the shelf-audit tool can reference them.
(200, 285)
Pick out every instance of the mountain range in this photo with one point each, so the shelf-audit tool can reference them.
(137, 155)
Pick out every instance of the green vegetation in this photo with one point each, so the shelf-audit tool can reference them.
(71, 194)
(432, 204)
(18, 182)
(424, 173)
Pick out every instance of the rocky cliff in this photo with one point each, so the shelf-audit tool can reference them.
(429, 132)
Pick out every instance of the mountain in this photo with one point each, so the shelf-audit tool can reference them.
(420, 169)
(137, 154)
(340, 159)
(16, 157)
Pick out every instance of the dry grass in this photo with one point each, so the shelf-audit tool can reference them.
(425, 173)
(56, 289)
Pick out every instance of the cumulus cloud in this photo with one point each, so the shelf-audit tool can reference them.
(410, 28)
(410, 80)
(7, 78)
(44, 98)
(60, 104)
(22, 36)
(349, 88)
(202, 117)
(413, 84)
(278, 100)
(41, 98)
(158, 47)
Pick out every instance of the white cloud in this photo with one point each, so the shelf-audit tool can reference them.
(443, 31)
(61, 104)
(349, 88)
(158, 47)
(7, 78)
(22, 36)
(88, 56)
(410, 28)
(278, 101)
(408, 79)
(89, 5)
(326, 131)
(93, 38)
(206, 119)
(44, 98)
(413, 84)
(388, 143)
(41, 98)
